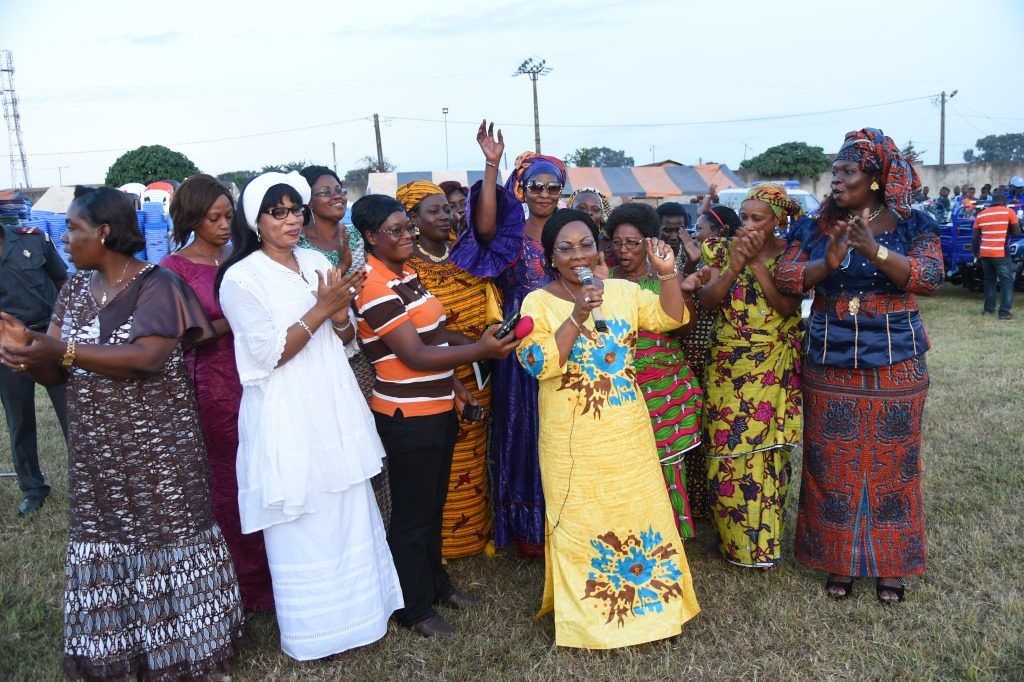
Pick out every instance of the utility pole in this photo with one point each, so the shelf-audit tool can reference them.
(60, 177)
(534, 70)
(942, 125)
(13, 118)
(380, 152)
(447, 166)
(334, 157)
(652, 153)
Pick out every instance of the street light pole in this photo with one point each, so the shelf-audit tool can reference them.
(534, 70)
(942, 125)
(447, 165)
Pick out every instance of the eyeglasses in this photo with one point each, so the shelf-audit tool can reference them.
(281, 212)
(588, 246)
(396, 232)
(553, 188)
(327, 193)
(628, 243)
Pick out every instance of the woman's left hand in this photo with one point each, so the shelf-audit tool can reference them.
(860, 236)
(661, 255)
(40, 351)
(690, 246)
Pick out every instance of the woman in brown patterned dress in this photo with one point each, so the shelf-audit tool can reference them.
(151, 590)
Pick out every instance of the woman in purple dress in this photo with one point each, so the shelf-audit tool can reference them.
(503, 243)
(202, 207)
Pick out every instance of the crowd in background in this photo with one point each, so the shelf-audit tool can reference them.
(295, 414)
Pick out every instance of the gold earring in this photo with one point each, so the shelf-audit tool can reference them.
(103, 241)
(874, 185)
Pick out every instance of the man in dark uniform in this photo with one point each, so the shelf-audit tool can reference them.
(31, 274)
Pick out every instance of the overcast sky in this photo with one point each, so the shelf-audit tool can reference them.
(242, 85)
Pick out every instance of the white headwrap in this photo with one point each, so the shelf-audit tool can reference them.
(252, 195)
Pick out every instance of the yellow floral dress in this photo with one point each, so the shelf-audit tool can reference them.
(616, 574)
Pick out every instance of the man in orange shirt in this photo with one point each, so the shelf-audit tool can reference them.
(989, 246)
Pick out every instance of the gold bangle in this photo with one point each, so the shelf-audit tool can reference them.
(671, 275)
(492, 165)
(69, 355)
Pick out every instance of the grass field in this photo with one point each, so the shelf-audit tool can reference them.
(963, 621)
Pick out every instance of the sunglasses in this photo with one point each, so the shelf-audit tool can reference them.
(281, 212)
(327, 193)
(627, 243)
(535, 187)
(396, 232)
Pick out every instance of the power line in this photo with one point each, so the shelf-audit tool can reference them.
(670, 124)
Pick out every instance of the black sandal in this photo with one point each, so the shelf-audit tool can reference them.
(897, 590)
(845, 585)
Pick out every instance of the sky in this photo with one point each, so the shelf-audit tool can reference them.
(242, 85)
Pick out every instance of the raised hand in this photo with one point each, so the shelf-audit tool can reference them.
(742, 251)
(837, 247)
(492, 147)
(860, 236)
(695, 281)
(661, 256)
(335, 291)
(690, 245)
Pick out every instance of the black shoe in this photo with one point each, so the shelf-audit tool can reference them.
(1005, 316)
(896, 590)
(459, 600)
(30, 505)
(988, 312)
(435, 626)
(833, 585)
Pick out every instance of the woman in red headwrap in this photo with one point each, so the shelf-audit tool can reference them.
(866, 256)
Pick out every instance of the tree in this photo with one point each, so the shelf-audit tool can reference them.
(789, 160)
(603, 157)
(148, 164)
(357, 177)
(239, 177)
(285, 167)
(995, 148)
(911, 154)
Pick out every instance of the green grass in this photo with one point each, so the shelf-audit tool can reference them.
(963, 621)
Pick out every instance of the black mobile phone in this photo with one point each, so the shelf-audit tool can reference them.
(472, 413)
(507, 326)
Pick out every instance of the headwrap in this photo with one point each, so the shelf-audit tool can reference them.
(529, 165)
(606, 207)
(252, 195)
(775, 196)
(412, 193)
(874, 152)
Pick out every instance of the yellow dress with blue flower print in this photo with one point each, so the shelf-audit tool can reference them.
(616, 574)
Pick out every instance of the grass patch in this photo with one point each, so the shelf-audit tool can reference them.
(964, 620)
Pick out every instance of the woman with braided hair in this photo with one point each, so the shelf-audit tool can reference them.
(752, 381)
(867, 256)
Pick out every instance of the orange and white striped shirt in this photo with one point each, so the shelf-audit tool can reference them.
(386, 302)
(993, 223)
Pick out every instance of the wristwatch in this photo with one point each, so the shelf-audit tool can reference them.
(881, 254)
(69, 355)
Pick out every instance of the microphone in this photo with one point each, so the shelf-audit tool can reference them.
(587, 279)
(523, 327)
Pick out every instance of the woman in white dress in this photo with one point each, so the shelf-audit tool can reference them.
(307, 442)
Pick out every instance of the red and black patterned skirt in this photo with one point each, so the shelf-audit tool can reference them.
(861, 512)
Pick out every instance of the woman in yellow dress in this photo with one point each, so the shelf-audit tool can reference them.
(752, 381)
(616, 574)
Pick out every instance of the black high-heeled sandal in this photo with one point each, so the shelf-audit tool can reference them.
(845, 585)
(896, 590)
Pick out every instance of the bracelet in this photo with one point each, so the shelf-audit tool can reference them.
(348, 323)
(488, 163)
(69, 355)
(665, 278)
(306, 327)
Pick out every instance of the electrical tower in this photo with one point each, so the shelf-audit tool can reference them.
(534, 70)
(13, 118)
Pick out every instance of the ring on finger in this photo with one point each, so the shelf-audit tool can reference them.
(352, 290)
(586, 299)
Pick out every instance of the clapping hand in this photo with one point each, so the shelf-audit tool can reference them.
(695, 281)
(690, 246)
(335, 290)
(837, 247)
(492, 147)
(860, 237)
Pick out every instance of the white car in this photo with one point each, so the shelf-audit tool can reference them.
(734, 197)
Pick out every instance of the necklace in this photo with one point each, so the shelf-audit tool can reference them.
(106, 290)
(877, 212)
(568, 290)
(437, 259)
(639, 276)
(299, 273)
